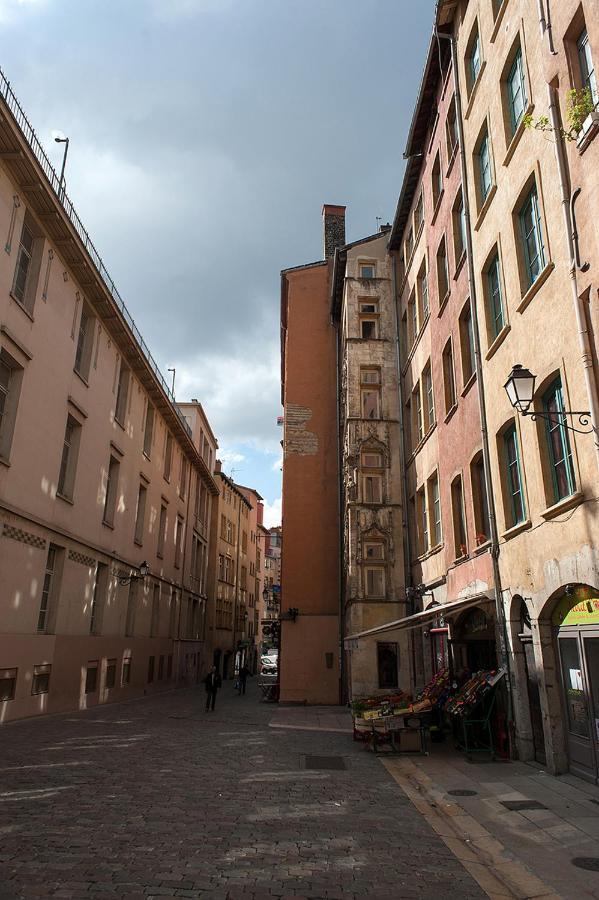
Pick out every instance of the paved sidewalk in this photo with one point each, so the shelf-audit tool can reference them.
(535, 848)
(313, 718)
(157, 798)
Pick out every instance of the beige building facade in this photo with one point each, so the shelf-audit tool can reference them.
(371, 462)
(100, 470)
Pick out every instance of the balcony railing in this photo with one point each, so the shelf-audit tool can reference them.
(38, 151)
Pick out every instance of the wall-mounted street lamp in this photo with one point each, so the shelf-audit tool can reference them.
(520, 388)
(65, 141)
(144, 571)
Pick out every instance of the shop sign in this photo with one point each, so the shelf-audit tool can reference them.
(572, 610)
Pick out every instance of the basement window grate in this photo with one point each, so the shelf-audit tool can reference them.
(459, 792)
(521, 805)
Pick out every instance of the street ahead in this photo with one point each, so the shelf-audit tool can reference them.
(157, 798)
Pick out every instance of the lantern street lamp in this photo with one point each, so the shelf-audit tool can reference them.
(61, 186)
(520, 388)
(144, 571)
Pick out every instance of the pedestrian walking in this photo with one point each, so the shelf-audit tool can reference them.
(212, 682)
(243, 676)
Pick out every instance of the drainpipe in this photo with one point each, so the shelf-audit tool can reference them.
(236, 605)
(182, 581)
(504, 659)
(586, 353)
(407, 547)
(343, 687)
(545, 24)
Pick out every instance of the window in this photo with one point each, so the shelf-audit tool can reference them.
(122, 394)
(370, 402)
(442, 272)
(11, 376)
(459, 228)
(429, 400)
(516, 509)
(483, 159)
(587, 69)
(161, 667)
(183, 477)
(110, 681)
(410, 244)
(149, 430)
(480, 500)
(40, 683)
(85, 341)
(98, 598)
(370, 376)
(151, 669)
(516, 91)
(178, 540)
(126, 672)
(434, 504)
(531, 234)
(24, 285)
(244, 542)
(68, 462)
(423, 532)
(497, 4)
(374, 581)
(558, 443)
(467, 343)
(367, 270)
(449, 378)
(419, 213)
(155, 617)
(168, 456)
(369, 320)
(473, 60)
(459, 518)
(423, 303)
(437, 180)
(451, 130)
(371, 459)
(172, 614)
(495, 313)
(131, 609)
(8, 683)
(112, 482)
(387, 664)
(161, 532)
(372, 488)
(418, 423)
(197, 554)
(91, 677)
(140, 514)
(169, 666)
(412, 318)
(48, 589)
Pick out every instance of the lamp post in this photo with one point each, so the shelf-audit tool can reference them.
(520, 388)
(144, 571)
(65, 141)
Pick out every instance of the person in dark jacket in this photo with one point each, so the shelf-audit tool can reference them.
(243, 677)
(212, 682)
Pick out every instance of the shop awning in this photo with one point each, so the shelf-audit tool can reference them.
(420, 618)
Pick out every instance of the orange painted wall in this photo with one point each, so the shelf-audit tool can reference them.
(310, 561)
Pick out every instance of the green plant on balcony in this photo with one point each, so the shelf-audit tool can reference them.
(579, 105)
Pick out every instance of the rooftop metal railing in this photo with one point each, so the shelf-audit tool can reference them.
(30, 136)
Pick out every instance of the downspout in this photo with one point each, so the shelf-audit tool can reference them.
(341, 525)
(586, 353)
(407, 547)
(545, 24)
(504, 659)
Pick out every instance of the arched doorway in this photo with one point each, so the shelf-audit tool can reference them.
(575, 622)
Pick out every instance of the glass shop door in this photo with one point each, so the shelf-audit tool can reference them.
(580, 677)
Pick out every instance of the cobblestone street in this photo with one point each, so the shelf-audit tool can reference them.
(157, 798)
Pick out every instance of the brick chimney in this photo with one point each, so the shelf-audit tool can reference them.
(333, 220)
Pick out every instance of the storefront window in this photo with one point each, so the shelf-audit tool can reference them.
(578, 716)
(387, 659)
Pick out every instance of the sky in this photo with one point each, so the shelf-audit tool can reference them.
(205, 135)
